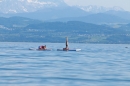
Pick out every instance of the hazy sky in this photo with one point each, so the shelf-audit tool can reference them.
(125, 4)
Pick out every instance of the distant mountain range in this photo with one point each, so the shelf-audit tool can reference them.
(99, 18)
(22, 6)
(53, 20)
(20, 29)
(99, 9)
(58, 10)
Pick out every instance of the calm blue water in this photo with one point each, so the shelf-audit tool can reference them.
(94, 65)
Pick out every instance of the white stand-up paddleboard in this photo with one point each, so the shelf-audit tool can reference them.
(69, 50)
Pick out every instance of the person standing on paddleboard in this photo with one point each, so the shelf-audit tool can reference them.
(66, 48)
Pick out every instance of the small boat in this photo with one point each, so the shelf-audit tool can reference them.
(40, 49)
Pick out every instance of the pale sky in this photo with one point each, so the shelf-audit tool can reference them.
(125, 4)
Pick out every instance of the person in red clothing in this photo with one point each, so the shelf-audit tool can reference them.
(42, 47)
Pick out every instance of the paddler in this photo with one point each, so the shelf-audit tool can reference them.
(42, 47)
(66, 48)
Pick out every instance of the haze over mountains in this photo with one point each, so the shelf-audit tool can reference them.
(58, 10)
(53, 20)
(20, 6)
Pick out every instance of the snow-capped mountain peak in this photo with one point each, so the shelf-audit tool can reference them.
(20, 6)
(98, 9)
(116, 8)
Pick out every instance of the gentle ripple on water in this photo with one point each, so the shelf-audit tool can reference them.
(95, 65)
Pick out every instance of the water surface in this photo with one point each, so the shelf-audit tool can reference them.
(94, 65)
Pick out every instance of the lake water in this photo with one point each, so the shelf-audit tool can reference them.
(94, 65)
